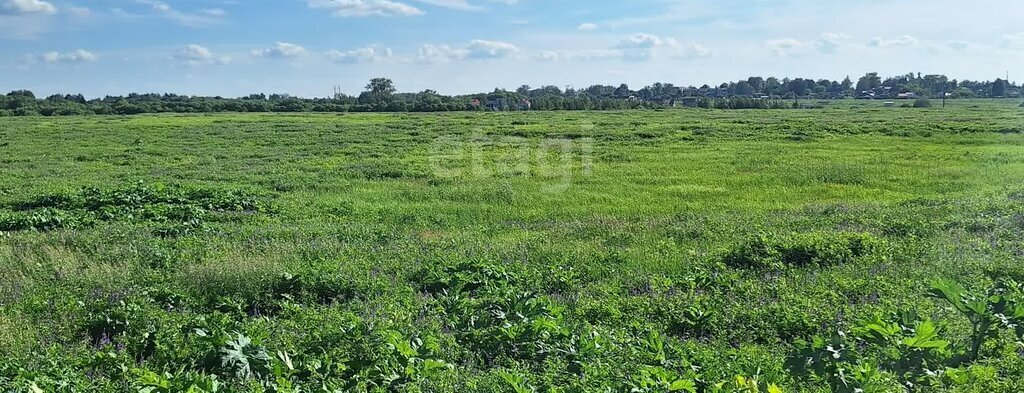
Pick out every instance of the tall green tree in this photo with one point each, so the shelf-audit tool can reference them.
(869, 81)
(998, 88)
(622, 92)
(379, 90)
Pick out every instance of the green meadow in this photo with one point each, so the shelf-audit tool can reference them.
(847, 248)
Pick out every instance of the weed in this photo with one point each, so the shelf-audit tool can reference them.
(820, 249)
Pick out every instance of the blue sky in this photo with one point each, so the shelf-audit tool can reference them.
(305, 47)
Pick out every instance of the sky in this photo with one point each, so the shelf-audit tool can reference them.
(307, 47)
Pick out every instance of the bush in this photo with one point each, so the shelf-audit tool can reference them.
(173, 210)
(922, 103)
(767, 251)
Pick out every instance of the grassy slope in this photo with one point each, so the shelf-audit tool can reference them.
(627, 235)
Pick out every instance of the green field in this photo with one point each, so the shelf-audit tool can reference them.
(478, 252)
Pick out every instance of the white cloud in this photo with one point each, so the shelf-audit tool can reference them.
(1012, 41)
(463, 5)
(586, 27)
(281, 50)
(640, 41)
(634, 47)
(595, 54)
(201, 18)
(27, 7)
(361, 55)
(547, 55)
(831, 42)
(76, 56)
(476, 50)
(55, 57)
(785, 46)
(357, 8)
(580, 55)
(156, 5)
(429, 53)
(958, 46)
(80, 12)
(195, 54)
(482, 49)
(826, 43)
(643, 46)
(213, 11)
(904, 40)
(453, 4)
(690, 51)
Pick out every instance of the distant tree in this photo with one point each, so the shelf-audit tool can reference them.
(75, 98)
(427, 101)
(524, 90)
(772, 86)
(868, 82)
(22, 94)
(383, 86)
(548, 91)
(743, 88)
(847, 84)
(622, 91)
(799, 87)
(998, 88)
(962, 92)
(379, 90)
(756, 83)
(600, 91)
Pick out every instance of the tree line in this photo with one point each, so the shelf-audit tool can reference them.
(380, 95)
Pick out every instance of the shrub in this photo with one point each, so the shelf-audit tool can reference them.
(172, 211)
(988, 313)
(767, 251)
(922, 103)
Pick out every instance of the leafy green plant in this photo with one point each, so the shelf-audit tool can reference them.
(243, 358)
(658, 379)
(988, 313)
(465, 276)
(174, 211)
(743, 384)
(902, 347)
(184, 382)
(516, 382)
(770, 251)
(833, 362)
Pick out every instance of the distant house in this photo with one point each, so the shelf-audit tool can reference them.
(633, 98)
(866, 95)
(907, 96)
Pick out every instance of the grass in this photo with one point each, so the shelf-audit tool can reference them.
(561, 251)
